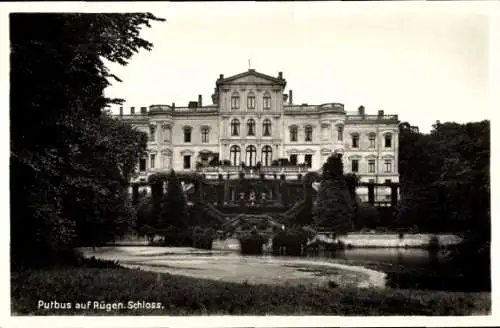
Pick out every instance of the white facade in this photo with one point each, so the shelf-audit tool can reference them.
(251, 120)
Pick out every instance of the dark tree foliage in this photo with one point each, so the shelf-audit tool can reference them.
(70, 162)
(334, 210)
(174, 211)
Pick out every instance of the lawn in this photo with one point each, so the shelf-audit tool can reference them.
(120, 291)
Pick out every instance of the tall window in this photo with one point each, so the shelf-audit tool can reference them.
(293, 133)
(235, 100)
(187, 134)
(309, 133)
(293, 159)
(152, 161)
(371, 166)
(166, 133)
(266, 127)
(251, 127)
(388, 166)
(152, 132)
(187, 162)
(251, 155)
(267, 100)
(204, 134)
(234, 153)
(251, 100)
(308, 160)
(371, 138)
(355, 165)
(355, 141)
(142, 165)
(235, 127)
(388, 141)
(267, 155)
(340, 133)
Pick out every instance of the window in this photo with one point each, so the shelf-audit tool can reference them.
(388, 141)
(187, 162)
(308, 160)
(234, 152)
(293, 133)
(204, 157)
(371, 138)
(388, 166)
(340, 133)
(309, 133)
(267, 155)
(251, 100)
(235, 100)
(355, 166)
(142, 165)
(235, 127)
(152, 132)
(355, 141)
(166, 133)
(251, 127)
(204, 134)
(266, 128)
(371, 181)
(152, 161)
(371, 166)
(267, 101)
(293, 159)
(251, 155)
(387, 181)
(187, 134)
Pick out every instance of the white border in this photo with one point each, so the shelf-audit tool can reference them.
(490, 8)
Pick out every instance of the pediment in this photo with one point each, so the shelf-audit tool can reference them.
(251, 77)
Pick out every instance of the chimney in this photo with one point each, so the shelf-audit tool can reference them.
(380, 113)
(280, 75)
(121, 111)
(200, 101)
(144, 110)
(290, 97)
(361, 110)
(132, 110)
(173, 106)
(221, 76)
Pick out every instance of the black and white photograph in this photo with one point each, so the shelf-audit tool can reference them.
(250, 159)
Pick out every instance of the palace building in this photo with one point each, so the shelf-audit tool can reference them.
(254, 126)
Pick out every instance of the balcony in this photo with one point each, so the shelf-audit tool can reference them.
(252, 171)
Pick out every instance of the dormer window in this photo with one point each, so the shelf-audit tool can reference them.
(235, 100)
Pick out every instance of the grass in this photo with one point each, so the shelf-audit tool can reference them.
(189, 296)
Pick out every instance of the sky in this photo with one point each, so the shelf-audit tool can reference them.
(424, 63)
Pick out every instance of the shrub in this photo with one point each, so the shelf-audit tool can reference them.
(291, 241)
(251, 243)
(203, 237)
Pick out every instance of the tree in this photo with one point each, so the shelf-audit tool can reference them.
(334, 208)
(70, 161)
(174, 212)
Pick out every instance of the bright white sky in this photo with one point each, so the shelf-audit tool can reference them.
(423, 62)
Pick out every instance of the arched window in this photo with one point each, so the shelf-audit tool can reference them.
(235, 153)
(266, 128)
(251, 155)
(235, 100)
(251, 127)
(293, 133)
(251, 100)
(371, 139)
(235, 127)
(267, 100)
(267, 155)
(187, 134)
(204, 134)
(309, 133)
